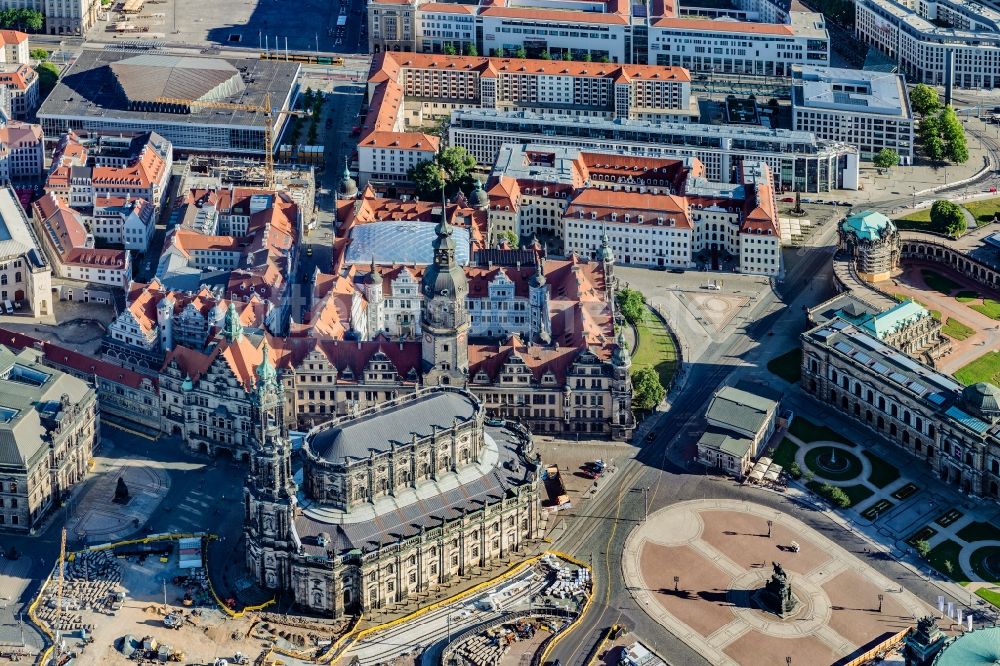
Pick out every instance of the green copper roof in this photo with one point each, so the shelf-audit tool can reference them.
(867, 225)
(978, 648)
(265, 371)
(894, 319)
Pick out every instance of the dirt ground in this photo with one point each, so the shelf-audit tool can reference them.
(206, 633)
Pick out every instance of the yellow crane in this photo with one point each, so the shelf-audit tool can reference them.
(264, 108)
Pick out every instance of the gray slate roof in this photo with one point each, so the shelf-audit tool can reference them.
(739, 409)
(22, 431)
(408, 520)
(726, 441)
(361, 437)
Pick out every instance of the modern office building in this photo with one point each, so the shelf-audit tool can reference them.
(726, 45)
(870, 110)
(927, 39)
(752, 36)
(798, 160)
(117, 91)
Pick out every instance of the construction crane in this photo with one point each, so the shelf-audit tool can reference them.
(264, 108)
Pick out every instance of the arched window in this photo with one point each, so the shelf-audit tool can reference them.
(995, 466)
(881, 403)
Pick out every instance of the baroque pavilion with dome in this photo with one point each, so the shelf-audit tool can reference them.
(400, 497)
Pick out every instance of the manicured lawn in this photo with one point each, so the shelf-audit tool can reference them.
(808, 431)
(883, 473)
(788, 366)
(977, 560)
(939, 282)
(918, 219)
(949, 517)
(857, 494)
(979, 531)
(852, 470)
(989, 596)
(655, 349)
(967, 296)
(947, 551)
(955, 329)
(876, 509)
(988, 307)
(905, 491)
(784, 453)
(983, 210)
(986, 368)
(925, 533)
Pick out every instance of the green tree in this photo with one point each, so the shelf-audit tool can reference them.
(924, 99)
(794, 470)
(39, 54)
(835, 495)
(923, 548)
(508, 236)
(631, 304)
(957, 152)
(428, 179)
(546, 55)
(312, 138)
(307, 98)
(647, 391)
(470, 49)
(48, 74)
(448, 49)
(520, 52)
(947, 217)
(949, 567)
(934, 147)
(886, 158)
(605, 58)
(457, 162)
(587, 57)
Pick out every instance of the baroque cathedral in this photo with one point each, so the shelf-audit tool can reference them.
(400, 497)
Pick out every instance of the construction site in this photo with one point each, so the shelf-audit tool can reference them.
(150, 601)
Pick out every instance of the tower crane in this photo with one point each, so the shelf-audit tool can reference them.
(264, 108)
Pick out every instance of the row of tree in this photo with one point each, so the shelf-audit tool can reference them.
(25, 20)
(647, 389)
(941, 132)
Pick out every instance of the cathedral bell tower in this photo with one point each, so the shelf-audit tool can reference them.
(269, 491)
(444, 319)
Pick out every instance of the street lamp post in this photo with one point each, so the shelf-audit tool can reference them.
(677, 583)
(769, 524)
(880, 597)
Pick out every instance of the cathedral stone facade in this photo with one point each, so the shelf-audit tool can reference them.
(400, 497)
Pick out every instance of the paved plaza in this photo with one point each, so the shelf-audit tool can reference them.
(721, 553)
(95, 518)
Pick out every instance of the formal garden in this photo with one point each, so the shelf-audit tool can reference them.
(848, 476)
